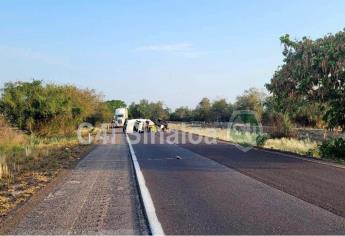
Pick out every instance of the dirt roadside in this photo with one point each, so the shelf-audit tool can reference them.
(33, 193)
(98, 195)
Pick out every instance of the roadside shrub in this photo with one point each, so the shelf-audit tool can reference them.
(50, 110)
(333, 149)
(313, 152)
(261, 139)
(280, 123)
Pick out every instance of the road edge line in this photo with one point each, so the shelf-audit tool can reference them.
(154, 224)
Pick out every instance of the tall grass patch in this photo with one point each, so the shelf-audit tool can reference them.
(231, 135)
(304, 147)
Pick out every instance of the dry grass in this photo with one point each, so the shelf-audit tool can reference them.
(292, 145)
(33, 172)
(25, 173)
(219, 133)
(10, 138)
(28, 163)
(4, 171)
(284, 144)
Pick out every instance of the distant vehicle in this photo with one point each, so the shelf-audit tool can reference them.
(129, 126)
(142, 125)
(121, 115)
(139, 126)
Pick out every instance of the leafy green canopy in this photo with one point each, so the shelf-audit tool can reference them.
(313, 74)
(148, 110)
(114, 104)
(219, 111)
(252, 99)
(49, 109)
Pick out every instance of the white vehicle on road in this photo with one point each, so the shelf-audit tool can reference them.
(121, 115)
(142, 124)
(129, 126)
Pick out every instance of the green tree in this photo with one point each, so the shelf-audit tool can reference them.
(221, 110)
(144, 109)
(252, 99)
(148, 110)
(182, 114)
(101, 114)
(158, 111)
(47, 109)
(133, 111)
(203, 110)
(114, 104)
(313, 73)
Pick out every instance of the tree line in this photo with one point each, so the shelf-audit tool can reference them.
(47, 109)
(221, 110)
(308, 89)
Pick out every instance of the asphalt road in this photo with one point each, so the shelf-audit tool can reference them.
(98, 197)
(218, 189)
(196, 189)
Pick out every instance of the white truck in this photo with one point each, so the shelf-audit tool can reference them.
(121, 115)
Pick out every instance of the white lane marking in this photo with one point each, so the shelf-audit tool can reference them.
(155, 225)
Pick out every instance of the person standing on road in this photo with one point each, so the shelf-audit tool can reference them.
(125, 126)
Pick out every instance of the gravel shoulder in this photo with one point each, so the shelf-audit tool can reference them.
(98, 196)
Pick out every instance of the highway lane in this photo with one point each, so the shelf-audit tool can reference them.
(194, 194)
(319, 184)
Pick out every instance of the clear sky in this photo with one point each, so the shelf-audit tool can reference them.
(177, 51)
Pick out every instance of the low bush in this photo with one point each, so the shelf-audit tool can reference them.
(313, 152)
(281, 125)
(333, 149)
(261, 139)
